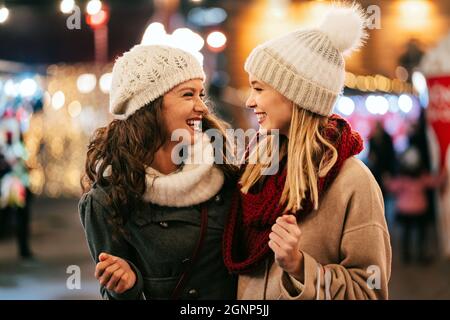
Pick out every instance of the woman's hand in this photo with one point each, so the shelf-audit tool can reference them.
(114, 273)
(284, 242)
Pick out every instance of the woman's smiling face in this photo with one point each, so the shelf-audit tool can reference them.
(272, 109)
(183, 107)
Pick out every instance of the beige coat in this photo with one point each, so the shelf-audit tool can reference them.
(345, 244)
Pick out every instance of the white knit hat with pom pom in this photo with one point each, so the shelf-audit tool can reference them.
(307, 66)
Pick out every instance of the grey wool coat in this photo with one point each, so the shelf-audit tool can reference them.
(160, 242)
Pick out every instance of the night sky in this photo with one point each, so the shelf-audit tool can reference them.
(36, 31)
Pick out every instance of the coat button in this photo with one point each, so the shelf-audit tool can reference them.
(193, 293)
(164, 224)
(218, 199)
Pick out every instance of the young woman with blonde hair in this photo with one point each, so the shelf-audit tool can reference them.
(316, 228)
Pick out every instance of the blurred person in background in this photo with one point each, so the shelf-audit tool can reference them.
(411, 57)
(15, 193)
(409, 187)
(4, 211)
(381, 159)
(417, 138)
(382, 163)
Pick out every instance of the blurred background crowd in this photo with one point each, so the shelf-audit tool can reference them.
(55, 63)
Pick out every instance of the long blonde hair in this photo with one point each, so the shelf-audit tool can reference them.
(309, 156)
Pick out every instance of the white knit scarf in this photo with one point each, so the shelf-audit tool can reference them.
(196, 182)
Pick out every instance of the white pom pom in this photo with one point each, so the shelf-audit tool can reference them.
(345, 27)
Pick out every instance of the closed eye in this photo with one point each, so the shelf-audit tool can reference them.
(257, 89)
(191, 94)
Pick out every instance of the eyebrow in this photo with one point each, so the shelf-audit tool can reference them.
(190, 88)
(255, 82)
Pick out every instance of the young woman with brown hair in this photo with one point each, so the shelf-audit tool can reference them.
(154, 226)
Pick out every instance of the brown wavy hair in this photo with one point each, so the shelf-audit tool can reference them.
(127, 146)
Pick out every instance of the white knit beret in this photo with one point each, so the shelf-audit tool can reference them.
(307, 66)
(147, 72)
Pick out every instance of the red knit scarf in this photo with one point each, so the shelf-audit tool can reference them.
(252, 215)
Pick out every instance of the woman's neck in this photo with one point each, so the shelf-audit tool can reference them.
(162, 160)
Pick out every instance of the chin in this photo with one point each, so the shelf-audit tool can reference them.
(265, 126)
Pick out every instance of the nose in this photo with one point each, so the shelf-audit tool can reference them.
(201, 107)
(250, 103)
